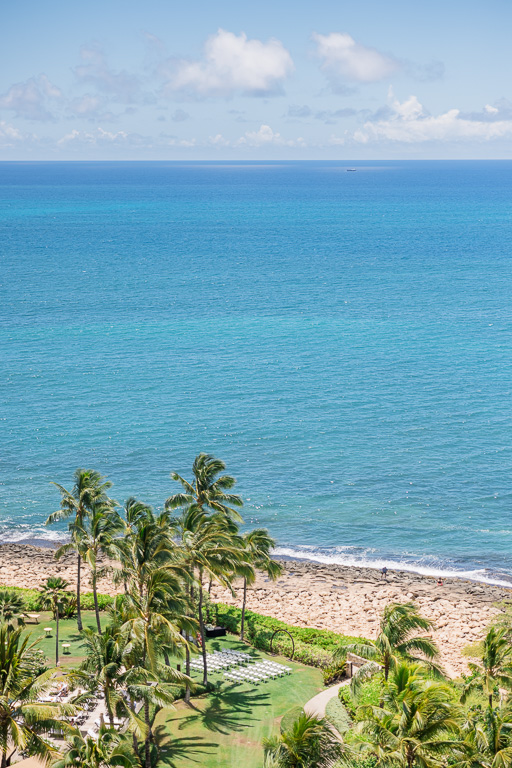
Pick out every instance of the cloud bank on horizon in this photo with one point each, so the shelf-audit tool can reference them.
(298, 90)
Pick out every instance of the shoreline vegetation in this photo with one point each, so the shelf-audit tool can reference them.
(430, 660)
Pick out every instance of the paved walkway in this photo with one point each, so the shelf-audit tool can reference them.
(316, 705)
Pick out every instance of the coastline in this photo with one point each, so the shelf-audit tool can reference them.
(345, 599)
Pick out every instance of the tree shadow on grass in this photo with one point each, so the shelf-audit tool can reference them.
(172, 752)
(226, 710)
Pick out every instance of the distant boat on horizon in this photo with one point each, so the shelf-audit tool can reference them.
(351, 169)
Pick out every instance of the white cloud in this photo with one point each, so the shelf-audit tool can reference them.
(9, 135)
(232, 63)
(409, 123)
(345, 60)
(31, 99)
(265, 136)
(101, 137)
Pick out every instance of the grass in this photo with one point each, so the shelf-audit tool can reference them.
(68, 633)
(225, 728)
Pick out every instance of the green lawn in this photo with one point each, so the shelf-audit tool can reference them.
(225, 729)
(68, 633)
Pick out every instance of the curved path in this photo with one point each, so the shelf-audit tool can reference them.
(316, 705)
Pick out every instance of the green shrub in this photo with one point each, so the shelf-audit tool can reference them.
(333, 673)
(31, 598)
(337, 715)
(312, 646)
(369, 693)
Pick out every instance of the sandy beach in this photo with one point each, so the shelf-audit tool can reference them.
(348, 600)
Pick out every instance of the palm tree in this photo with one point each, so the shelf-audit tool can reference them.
(95, 536)
(109, 750)
(417, 730)
(24, 720)
(89, 488)
(496, 667)
(102, 667)
(257, 545)
(488, 742)
(158, 610)
(11, 608)
(310, 743)
(208, 490)
(211, 549)
(396, 641)
(53, 597)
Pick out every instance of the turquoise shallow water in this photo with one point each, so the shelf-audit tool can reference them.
(342, 340)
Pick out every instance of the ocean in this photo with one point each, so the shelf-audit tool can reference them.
(341, 340)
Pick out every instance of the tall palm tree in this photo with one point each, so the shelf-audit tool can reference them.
(53, 597)
(24, 720)
(11, 608)
(309, 743)
(396, 641)
(257, 545)
(417, 731)
(109, 750)
(496, 666)
(208, 490)
(210, 549)
(93, 537)
(89, 488)
(158, 610)
(144, 547)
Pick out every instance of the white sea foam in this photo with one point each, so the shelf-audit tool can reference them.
(343, 556)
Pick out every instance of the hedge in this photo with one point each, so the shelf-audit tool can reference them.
(337, 715)
(312, 646)
(31, 599)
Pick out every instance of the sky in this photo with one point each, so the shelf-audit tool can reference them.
(275, 79)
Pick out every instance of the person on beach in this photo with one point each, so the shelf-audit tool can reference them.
(384, 573)
(439, 582)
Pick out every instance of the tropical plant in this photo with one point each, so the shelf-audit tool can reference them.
(395, 642)
(419, 728)
(158, 611)
(208, 490)
(24, 720)
(210, 548)
(257, 545)
(53, 597)
(89, 488)
(12, 608)
(109, 750)
(93, 537)
(488, 738)
(496, 666)
(309, 743)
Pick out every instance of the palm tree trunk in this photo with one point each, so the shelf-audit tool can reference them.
(201, 630)
(490, 700)
(57, 635)
(243, 610)
(148, 735)
(95, 594)
(187, 672)
(78, 606)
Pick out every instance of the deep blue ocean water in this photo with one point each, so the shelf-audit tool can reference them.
(342, 340)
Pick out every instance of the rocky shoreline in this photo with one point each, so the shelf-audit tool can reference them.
(350, 600)
(344, 599)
